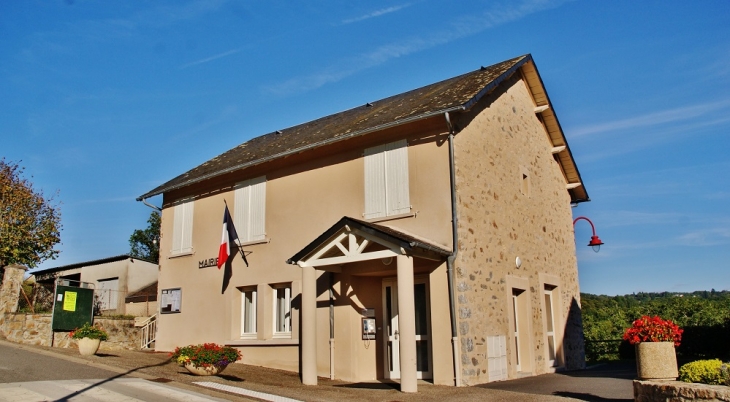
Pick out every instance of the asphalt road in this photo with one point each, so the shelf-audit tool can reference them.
(608, 382)
(20, 365)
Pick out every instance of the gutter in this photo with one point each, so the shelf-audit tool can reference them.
(297, 150)
(451, 258)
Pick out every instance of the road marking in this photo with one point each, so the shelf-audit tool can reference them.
(16, 393)
(246, 392)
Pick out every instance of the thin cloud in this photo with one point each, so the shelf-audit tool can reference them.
(705, 238)
(374, 14)
(654, 119)
(458, 28)
(211, 58)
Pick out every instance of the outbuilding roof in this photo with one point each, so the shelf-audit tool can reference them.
(451, 95)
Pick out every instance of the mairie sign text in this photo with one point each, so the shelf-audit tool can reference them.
(210, 262)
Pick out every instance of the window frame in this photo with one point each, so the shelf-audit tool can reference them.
(246, 315)
(287, 333)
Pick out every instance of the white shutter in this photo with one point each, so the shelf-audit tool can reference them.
(177, 228)
(497, 357)
(375, 205)
(250, 209)
(241, 208)
(257, 226)
(187, 229)
(182, 228)
(396, 166)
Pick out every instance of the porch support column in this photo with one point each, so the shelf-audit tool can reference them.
(309, 326)
(407, 325)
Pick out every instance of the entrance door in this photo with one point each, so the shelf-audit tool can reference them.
(423, 332)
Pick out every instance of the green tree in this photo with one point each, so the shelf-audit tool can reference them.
(30, 224)
(145, 244)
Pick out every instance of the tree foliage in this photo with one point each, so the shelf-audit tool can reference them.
(30, 224)
(704, 316)
(145, 244)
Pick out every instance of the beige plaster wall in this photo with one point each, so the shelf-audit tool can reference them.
(501, 140)
(303, 199)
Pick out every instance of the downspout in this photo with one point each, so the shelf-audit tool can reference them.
(451, 258)
(156, 208)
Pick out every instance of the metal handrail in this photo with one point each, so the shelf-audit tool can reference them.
(148, 332)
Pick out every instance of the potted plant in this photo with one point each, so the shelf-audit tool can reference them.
(655, 340)
(206, 358)
(89, 338)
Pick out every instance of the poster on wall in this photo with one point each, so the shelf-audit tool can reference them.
(170, 301)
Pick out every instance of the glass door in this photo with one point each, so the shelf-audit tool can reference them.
(423, 325)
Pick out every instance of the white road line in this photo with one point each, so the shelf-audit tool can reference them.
(246, 392)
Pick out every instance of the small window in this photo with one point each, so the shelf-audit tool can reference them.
(282, 311)
(250, 210)
(548, 293)
(248, 313)
(182, 234)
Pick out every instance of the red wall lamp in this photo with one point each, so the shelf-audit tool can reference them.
(595, 242)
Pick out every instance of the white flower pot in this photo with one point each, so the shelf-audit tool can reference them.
(88, 346)
(210, 370)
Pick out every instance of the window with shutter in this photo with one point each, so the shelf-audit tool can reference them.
(386, 180)
(182, 231)
(250, 210)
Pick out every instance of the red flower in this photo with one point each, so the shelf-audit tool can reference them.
(653, 329)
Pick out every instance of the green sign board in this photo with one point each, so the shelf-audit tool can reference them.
(73, 307)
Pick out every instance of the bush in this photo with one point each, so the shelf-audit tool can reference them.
(704, 371)
(88, 331)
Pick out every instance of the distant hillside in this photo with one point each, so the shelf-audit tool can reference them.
(702, 314)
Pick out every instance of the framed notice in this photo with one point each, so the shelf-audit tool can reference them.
(170, 300)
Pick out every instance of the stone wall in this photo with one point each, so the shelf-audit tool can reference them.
(513, 202)
(35, 329)
(10, 289)
(677, 391)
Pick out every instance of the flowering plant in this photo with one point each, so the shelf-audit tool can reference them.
(88, 331)
(206, 355)
(653, 329)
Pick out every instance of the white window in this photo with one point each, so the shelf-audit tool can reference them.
(248, 313)
(250, 209)
(282, 311)
(550, 324)
(386, 180)
(182, 231)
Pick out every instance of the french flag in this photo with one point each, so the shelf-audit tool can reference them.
(228, 239)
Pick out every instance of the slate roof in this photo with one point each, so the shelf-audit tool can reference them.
(87, 264)
(456, 93)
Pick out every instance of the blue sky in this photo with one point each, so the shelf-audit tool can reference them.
(103, 101)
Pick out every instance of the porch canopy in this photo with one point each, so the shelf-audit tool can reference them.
(352, 240)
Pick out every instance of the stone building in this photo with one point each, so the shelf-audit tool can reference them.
(427, 235)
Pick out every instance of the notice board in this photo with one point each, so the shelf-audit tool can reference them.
(73, 307)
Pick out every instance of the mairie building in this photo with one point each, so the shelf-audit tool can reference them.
(424, 236)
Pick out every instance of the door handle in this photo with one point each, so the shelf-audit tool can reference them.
(396, 333)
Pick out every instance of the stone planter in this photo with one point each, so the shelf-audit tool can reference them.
(210, 370)
(656, 361)
(88, 346)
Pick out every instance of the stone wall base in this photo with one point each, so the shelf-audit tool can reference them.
(677, 391)
(35, 329)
